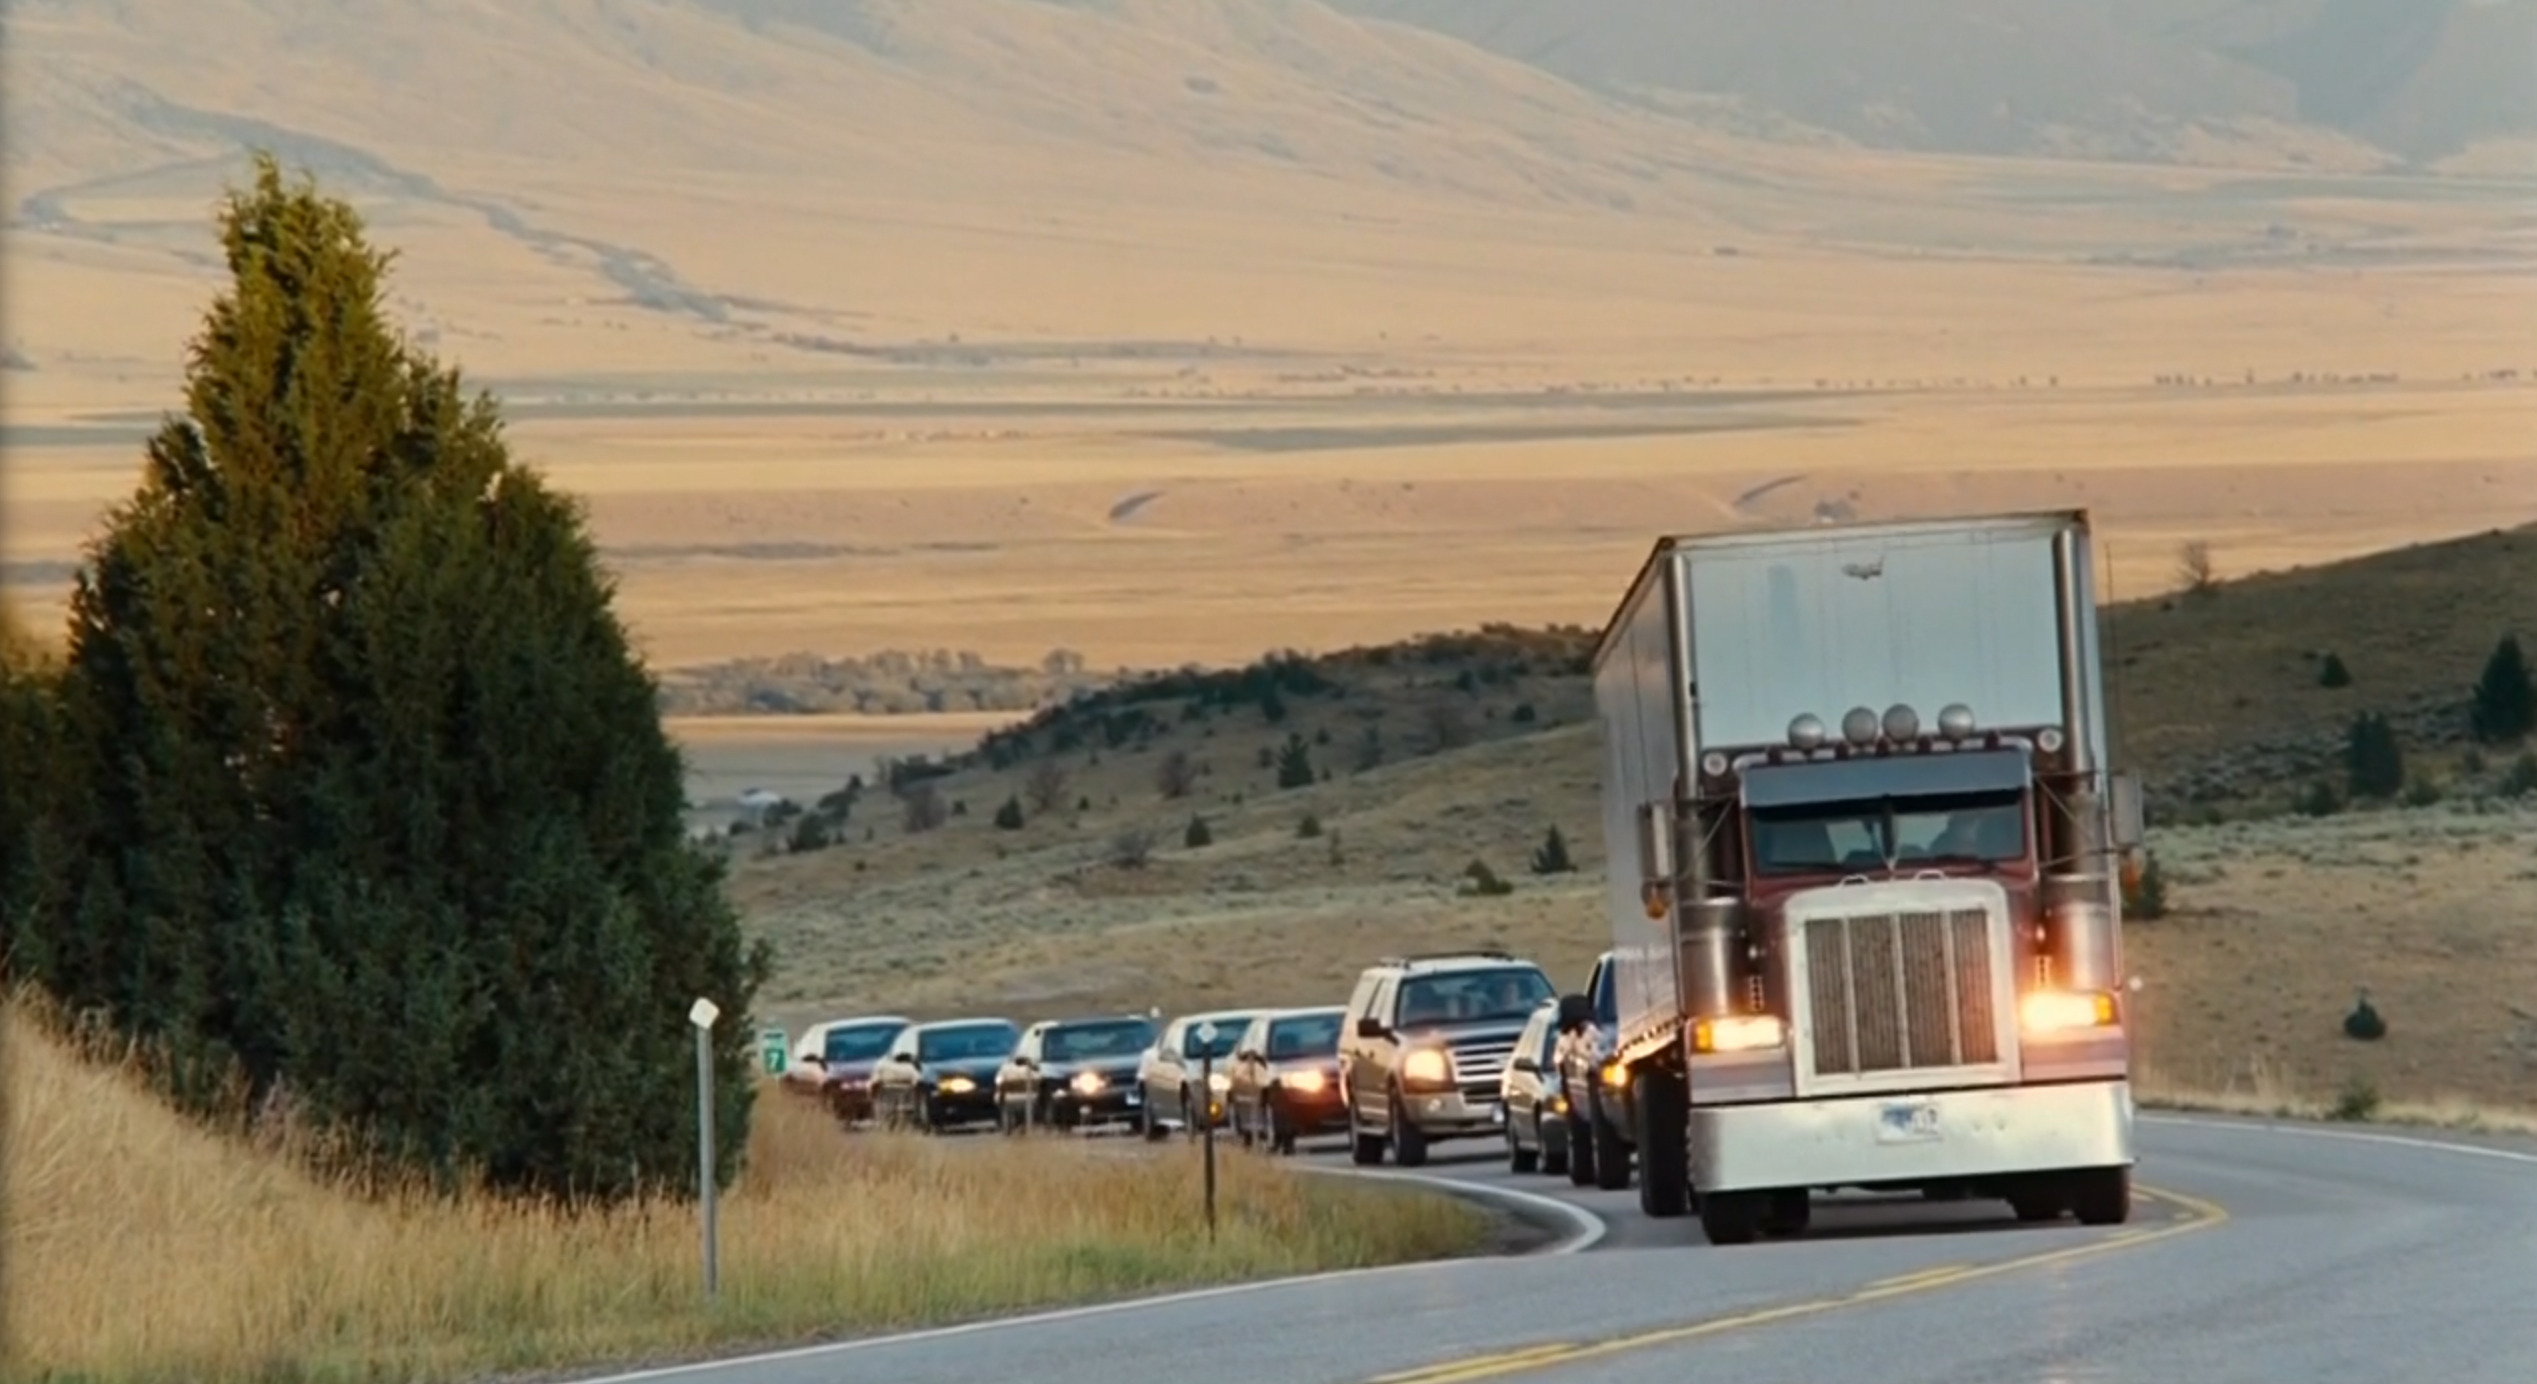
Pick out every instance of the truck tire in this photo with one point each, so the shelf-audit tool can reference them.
(1664, 1151)
(1792, 1209)
(1580, 1153)
(1611, 1156)
(2101, 1196)
(1732, 1218)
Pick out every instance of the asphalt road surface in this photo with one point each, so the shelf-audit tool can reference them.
(2259, 1254)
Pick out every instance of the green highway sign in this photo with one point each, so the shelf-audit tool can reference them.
(771, 1050)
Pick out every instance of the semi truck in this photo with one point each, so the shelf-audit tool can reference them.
(1866, 867)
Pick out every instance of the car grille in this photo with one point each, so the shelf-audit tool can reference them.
(1480, 1063)
(1901, 990)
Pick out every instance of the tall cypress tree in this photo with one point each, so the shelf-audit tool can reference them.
(377, 804)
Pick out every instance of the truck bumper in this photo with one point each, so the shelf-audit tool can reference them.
(1905, 1138)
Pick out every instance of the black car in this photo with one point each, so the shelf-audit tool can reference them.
(940, 1075)
(1073, 1073)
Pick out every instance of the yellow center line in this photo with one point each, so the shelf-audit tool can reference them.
(2200, 1215)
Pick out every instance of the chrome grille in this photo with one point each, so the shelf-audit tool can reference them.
(1894, 991)
(1480, 1063)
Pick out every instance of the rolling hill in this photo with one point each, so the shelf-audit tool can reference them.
(2346, 81)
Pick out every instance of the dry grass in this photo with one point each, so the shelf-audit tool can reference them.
(141, 1246)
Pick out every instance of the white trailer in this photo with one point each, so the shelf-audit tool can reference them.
(1864, 849)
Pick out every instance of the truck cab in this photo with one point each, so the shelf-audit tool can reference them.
(1864, 948)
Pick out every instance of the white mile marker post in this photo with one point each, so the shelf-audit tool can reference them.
(702, 1015)
(1206, 1116)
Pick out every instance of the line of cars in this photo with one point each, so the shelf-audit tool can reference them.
(1427, 1049)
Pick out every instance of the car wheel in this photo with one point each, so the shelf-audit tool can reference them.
(1365, 1150)
(1519, 1159)
(1409, 1142)
(1148, 1122)
(1280, 1136)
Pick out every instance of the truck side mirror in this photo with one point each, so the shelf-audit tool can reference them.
(1575, 1012)
(2128, 812)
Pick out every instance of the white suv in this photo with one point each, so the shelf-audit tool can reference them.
(1424, 1046)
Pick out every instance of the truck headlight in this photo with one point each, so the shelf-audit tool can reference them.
(2056, 1011)
(1428, 1065)
(1738, 1033)
(1086, 1083)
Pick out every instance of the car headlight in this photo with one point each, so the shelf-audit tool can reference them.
(1738, 1033)
(958, 1085)
(1219, 1083)
(1307, 1080)
(1559, 1105)
(1615, 1075)
(1086, 1083)
(2055, 1011)
(1427, 1064)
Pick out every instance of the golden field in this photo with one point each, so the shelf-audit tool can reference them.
(142, 1246)
(1289, 330)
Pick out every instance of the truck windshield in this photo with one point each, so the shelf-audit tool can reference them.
(1957, 829)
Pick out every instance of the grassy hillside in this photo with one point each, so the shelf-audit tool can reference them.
(1428, 758)
(2354, 83)
(254, 1270)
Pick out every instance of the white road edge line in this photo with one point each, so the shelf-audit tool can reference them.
(1590, 1231)
(2258, 1125)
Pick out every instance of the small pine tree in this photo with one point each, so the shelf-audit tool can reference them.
(2145, 897)
(1198, 834)
(1552, 858)
(1295, 763)
(2374, 763)
(2505, 706)
(2332, 673)
(1009, 816)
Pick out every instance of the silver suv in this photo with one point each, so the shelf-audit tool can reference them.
(1424, 1046)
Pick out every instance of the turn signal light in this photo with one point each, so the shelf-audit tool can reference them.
(2056, 1011)
(1738, 1033)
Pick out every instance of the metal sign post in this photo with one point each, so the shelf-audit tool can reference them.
(702, 1015)
(1206, 1117)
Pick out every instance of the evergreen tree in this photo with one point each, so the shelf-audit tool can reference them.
(2505, 698)
(1552, 858)
(2373, 760)
(1295, 764)
(374, 796)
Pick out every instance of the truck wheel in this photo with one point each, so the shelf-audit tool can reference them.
(1791, 1210)
(1580, 1153)
(2041, 1200)
(1732, 1218)
(2102, 1196)
(1409, 1142)
(1611, 1156)
(1664, 1144)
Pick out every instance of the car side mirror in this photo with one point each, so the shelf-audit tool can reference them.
(1370, 1027)
(2129, 813)
(1575, 1012)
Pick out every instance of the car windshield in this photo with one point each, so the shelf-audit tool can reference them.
(965, 1043)
(860, 1043)
(1498, 994)
(1306, 1035)
(1228, 1032)
(1963, 829)
(1077, 1042)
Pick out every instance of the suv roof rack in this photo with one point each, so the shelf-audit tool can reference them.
(1464, 954)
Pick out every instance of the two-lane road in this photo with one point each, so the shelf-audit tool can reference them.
(2260, 1254)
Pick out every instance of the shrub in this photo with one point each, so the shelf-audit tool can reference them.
(1198, 833)
(2505, 707)
(2332, 673)
(1552, 858)
(2374, 763)
(1309, 827)
(1009, 816)
(1132, 847)
(1479, 879)
(1294, 764)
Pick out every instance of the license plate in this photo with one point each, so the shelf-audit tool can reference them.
(1907, 1122)
(1136, 1098)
